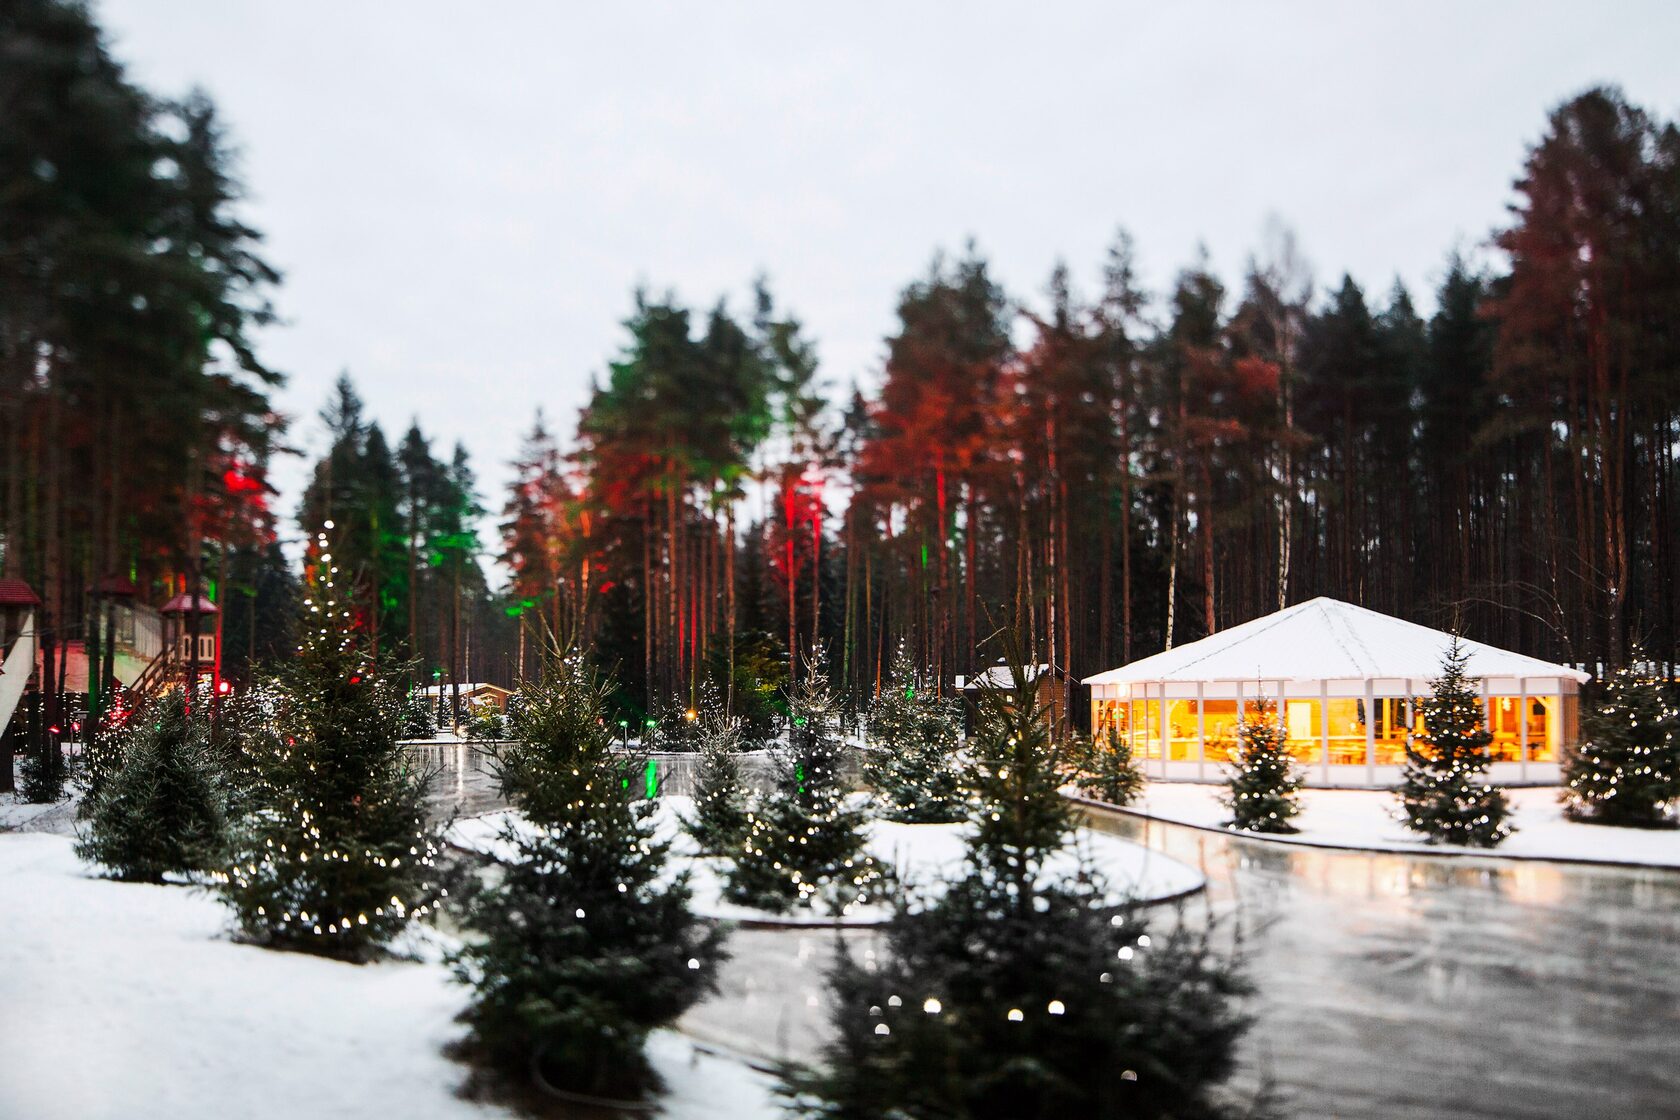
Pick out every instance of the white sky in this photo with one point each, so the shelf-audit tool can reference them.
(462, 196)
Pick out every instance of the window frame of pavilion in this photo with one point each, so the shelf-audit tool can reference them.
(1329, 724)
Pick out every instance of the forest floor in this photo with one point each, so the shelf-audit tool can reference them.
(132, 1001)
(1369, 820)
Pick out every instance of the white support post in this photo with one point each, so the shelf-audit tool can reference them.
(1324, 728)
(1370, 732)
(1201, 731)
(1522, 726)
(1161, 723)
(1487, 712)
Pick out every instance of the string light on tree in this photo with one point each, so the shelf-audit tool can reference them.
(338, 857)
(1443, 792)
(1263, 785)
(1626, 770)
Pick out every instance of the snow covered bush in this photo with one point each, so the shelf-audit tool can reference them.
(1263, 785)
(1626, 770)
(912, 761)
(804, 841)
(336, 856)
(1444, 793)
(162, 810)
(585, 944)
(1023, 992)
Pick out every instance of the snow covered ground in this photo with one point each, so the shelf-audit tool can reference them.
(1344, 818)
(18, 815)
(129, 1001)
(924, 854)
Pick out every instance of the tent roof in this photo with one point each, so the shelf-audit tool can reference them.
(1326, 639)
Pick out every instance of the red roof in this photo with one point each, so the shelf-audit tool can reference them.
(116, 587)
(16, 593)
(182, 603)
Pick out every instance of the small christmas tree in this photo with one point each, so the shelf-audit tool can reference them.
(719, 824)
(1263, 786)
(163, 811)
(676, 728)
(585, 945)
(1443, 791)
(1105, 769)
(337, 856)
(41, 771)
(804, 841)
(1025, 990)
(1627, 769)
(912, 736)
(419, 716)
(102, 760)
(485, 722)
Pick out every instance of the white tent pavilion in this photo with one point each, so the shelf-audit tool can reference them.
(1345, 681)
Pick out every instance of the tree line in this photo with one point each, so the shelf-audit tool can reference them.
(1117, 472)
(1108, 473)
(136, 426)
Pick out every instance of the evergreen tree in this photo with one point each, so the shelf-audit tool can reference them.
(804, 842)
(719, 824)
(1443, 790)
(586, 944)
(1627, 769)
(338, 856)
(239, 729)
(1263, 786)
(485, 723)
(1023, 991)
(163, 810)
(674, 727)
(912, 736)
(1106, 770)
(42, 771)
(418, 716)
(102, 759)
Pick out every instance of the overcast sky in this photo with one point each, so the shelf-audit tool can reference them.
(463, 196)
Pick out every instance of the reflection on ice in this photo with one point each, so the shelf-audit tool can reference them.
(1391, 985)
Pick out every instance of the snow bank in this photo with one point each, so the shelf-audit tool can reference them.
(128, 1001)
(1366, 819)
(924, 854)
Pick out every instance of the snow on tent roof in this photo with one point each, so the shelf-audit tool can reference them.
(1325, 639)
